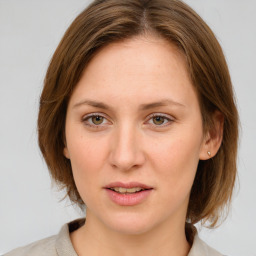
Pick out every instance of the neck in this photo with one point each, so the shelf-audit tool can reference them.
(166, 239)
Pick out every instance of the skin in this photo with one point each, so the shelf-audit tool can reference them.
(128, 144)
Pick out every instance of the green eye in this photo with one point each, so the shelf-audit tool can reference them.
(97, 120)
(158, 120)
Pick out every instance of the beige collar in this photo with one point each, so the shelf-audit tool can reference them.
(64, 246)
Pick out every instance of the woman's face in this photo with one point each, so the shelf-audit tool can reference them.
(133, 122)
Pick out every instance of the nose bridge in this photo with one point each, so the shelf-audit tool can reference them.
(126, 151)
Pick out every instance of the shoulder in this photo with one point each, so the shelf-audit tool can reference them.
(52, 246)
(200, 248)
(39, 248)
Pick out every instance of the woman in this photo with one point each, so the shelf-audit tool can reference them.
(137, 121)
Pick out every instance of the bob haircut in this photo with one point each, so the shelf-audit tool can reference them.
(106, 21)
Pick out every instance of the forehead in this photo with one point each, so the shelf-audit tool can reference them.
(143, 67)
(140, 54)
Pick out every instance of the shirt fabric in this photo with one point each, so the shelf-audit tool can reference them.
(60, 245)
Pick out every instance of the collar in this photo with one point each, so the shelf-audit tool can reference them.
(64, 245)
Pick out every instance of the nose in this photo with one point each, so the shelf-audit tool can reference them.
(126, 149)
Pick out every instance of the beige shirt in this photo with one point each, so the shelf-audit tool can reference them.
(60, 245)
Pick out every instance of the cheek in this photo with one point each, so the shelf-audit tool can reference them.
(83, 154)
(87, 156)
(176, 163)
(85, 149)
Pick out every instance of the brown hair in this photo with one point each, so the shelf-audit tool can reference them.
(107, 21)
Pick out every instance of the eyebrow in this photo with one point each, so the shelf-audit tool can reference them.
(142, 107)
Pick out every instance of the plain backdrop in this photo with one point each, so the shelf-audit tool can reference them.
(29, 33)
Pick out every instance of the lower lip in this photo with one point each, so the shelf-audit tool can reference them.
(128, 199)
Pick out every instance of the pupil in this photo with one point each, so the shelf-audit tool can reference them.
(158, 120)
(97, 119)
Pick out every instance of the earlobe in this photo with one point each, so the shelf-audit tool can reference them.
(213, 137)
(66, 153)
(65, 149)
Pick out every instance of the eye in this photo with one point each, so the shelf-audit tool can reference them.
(97, 119)
(160, 120)
(94, 120)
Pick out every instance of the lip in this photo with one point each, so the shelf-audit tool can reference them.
(128, 185)
(128, 199)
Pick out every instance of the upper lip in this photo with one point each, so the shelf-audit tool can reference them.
(127, 185)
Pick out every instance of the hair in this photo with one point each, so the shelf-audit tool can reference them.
(106, 21)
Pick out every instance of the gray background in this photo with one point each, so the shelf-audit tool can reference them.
(29, 33)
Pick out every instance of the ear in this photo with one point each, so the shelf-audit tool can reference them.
(65, 149)
(213, 137)
(66, 152)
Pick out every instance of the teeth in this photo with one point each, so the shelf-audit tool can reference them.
(126, 190)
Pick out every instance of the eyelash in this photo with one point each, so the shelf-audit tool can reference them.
(166, 118)
(87, 117)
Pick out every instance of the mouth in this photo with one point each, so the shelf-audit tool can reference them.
(128, 194)
(127, 188)
(122, 190)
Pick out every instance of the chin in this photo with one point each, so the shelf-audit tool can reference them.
(131, 228)
(130, 224)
